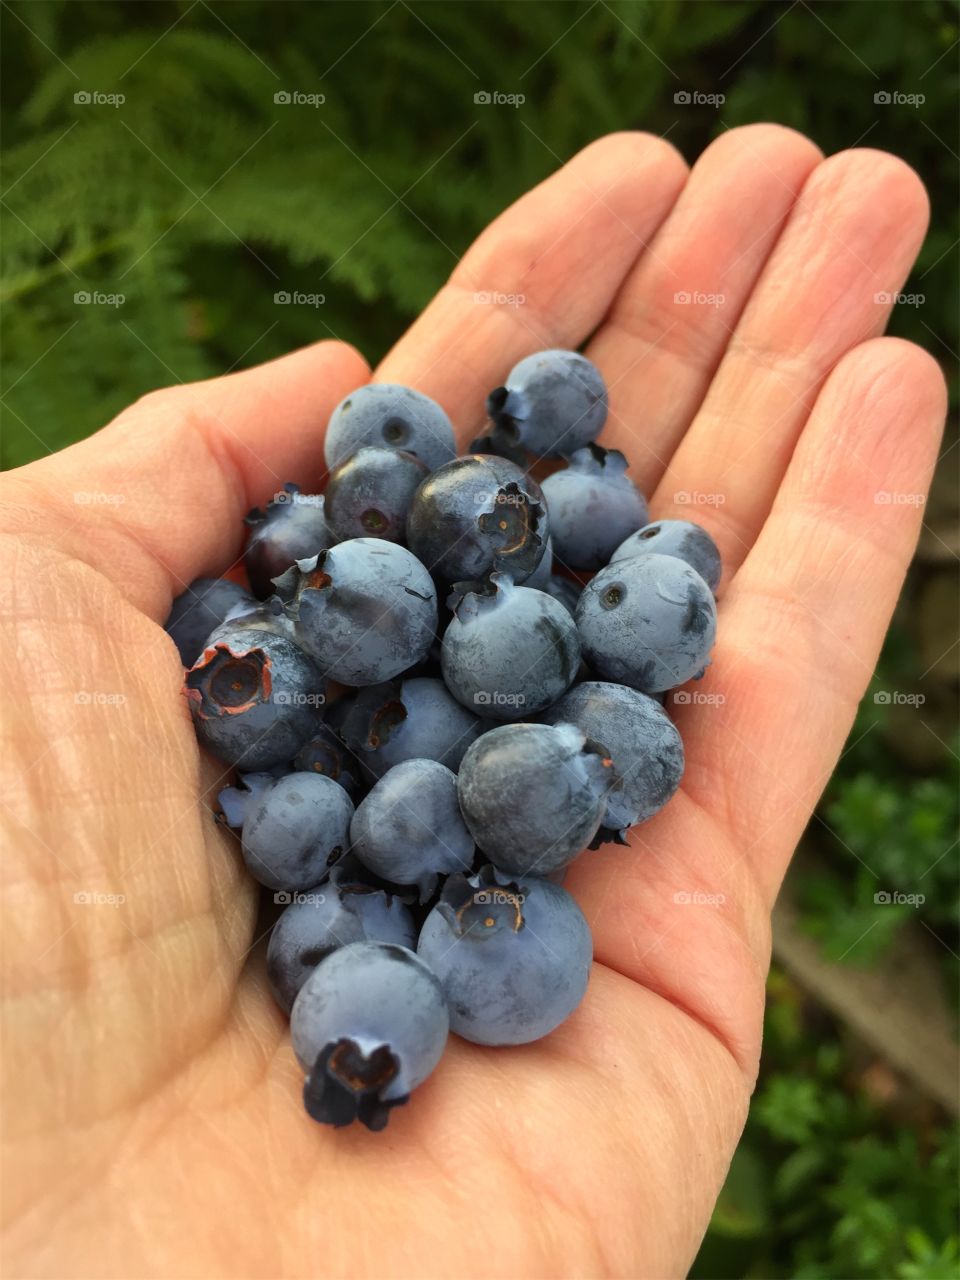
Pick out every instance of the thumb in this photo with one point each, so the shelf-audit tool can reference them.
(157, 498)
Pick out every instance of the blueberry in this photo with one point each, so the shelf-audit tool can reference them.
(236, 802)
(532, 795)
(254, 697)
(509, 651)
(512, 956)
(542, 574)
(254, 615)
(476, 515)
(369, 493)
(593, 506)
(413, 719)
(203, 606)
(384, 415)
(409, 828)
(565, 592)
(648, 621)
(324, 753)
(638, 736)
(295, 830)
(553, 403)
(365, 610)
(681, 538)
(342, 910)
(293, 527)
(369, 1024)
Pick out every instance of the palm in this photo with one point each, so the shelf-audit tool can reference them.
(158, 1094)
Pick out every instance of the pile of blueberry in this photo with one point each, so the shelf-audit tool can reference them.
(431, 716)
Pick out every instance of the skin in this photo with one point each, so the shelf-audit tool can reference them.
(156, 1120)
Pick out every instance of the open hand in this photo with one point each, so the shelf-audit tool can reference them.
(154, 1121)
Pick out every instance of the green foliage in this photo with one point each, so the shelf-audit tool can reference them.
(200, 197)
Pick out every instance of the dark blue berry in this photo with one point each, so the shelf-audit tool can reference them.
(369, 494)
(681, 538)
(477, 515)
(509, 651)
(647, 621)
(513, 956)
(293, 527)
(383, 415)
(369, 1024)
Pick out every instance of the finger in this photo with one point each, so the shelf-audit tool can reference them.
(801, 627)
(157, 498)
(541, 275)
(846, 250)
(661, 342)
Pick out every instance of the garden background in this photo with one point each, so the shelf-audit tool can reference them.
(200, 197)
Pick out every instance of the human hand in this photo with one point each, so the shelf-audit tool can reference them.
(157, 1126)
